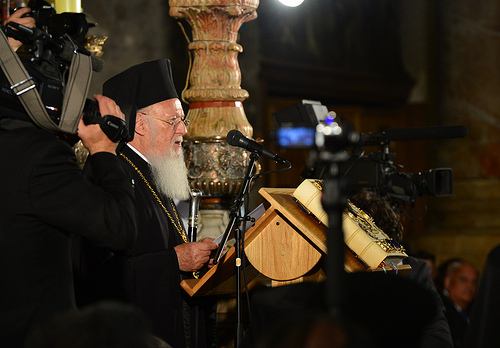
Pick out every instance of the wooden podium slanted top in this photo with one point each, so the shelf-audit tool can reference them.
(282, 200)
(285, 244)
(274, 247)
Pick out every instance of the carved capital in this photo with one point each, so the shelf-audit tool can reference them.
(216, 168)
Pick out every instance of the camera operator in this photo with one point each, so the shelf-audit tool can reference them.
(45, 201)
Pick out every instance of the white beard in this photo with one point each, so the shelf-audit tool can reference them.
(170, 175)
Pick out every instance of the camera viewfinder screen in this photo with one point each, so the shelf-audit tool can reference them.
(298, 137)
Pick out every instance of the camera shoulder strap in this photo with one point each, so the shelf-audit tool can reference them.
(75, 94)
(23, 85)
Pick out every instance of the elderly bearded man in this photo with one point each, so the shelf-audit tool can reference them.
(148, 274)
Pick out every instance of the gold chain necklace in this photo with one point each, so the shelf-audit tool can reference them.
(177, 224)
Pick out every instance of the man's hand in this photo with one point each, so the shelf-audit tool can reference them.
(193, 256)
(16, 17)
(92, 135)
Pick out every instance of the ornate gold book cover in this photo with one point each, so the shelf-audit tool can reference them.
(370, 244)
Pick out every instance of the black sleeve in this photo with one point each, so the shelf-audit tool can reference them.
(102, 210)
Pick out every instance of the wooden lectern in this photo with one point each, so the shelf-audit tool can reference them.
(286, 245)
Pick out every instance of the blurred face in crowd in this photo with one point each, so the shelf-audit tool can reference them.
(461, 284)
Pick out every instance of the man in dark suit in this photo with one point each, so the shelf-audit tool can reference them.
(458, 279)
(45, 200)
(149, 274)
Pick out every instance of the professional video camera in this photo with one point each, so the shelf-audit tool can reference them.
(58, 25)
(381, 174)
(47, 56)
(336, 140)
(377, 170)
(47, 53)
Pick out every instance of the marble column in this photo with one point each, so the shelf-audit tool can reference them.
(215, 101)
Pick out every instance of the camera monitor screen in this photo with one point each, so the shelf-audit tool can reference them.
(306, 113)
(297, 137)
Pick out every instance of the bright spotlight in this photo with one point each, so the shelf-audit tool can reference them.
(291, 3)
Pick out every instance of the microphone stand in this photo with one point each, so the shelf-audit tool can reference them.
(334, 201)
(237, 218)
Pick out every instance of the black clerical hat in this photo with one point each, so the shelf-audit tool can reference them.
(139, 86)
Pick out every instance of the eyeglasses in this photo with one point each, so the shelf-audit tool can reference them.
(174, 123)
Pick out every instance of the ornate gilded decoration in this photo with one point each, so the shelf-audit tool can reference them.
(318, 184)
(367, 224)
(361, 218)
(94, 44)
(81, 152)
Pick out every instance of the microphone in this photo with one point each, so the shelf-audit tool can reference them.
(236, 138)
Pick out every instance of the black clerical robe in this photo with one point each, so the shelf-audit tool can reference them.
(148, 275)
